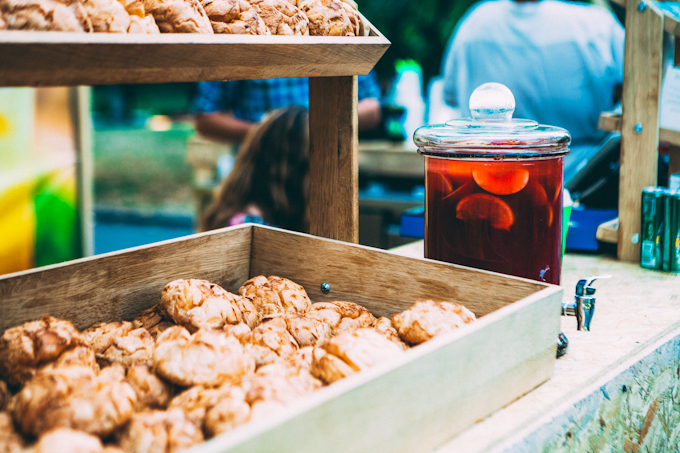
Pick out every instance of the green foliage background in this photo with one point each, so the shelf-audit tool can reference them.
(418, 30)
(421, 29)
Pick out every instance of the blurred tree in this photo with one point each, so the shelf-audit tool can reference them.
(418, 30)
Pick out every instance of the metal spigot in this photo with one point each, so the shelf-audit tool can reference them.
(585, 301)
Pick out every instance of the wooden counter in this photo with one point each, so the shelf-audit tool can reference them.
(617, 387)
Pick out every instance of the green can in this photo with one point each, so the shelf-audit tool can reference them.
(671, 262)
(652, 228)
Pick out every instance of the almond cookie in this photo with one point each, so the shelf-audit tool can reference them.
(385, 328)
(153, 320)
(426, 319)
(24, 348)
(41, 15)
(100, 336)
(355, 351)
(328, 18)
(208, 357)
(199, 304)
(152, 392)
(75, 397)
(235, 17)
(272, 334)
(159, 432)
(341, 317)
(273, 295)
(179, 16)
(134, 348)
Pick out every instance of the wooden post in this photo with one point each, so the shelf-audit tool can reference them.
(674, 159)
(640, 122)
(333, 160)
(80, 99)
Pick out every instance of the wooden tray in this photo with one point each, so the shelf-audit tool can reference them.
(413, 404)
(62, 58)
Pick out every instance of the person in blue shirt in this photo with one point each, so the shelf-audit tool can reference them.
(561, 60)
(227, 110)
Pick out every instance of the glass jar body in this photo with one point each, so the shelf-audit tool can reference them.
(495, 213)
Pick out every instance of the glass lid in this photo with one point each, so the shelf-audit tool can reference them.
(492, 130)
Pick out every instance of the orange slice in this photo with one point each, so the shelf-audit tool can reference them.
(501, 178)
(481, 206)
(539, 200)
(439, 183)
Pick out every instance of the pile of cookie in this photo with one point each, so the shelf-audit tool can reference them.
(200, 363)
(251, 17)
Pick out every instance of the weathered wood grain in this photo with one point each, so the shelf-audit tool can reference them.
(382, 281)
(61, 58)
(641, 88)
(333, 158)
(118, 285)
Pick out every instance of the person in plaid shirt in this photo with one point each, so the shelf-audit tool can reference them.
(227, 110)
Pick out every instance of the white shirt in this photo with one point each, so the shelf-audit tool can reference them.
(560, 60)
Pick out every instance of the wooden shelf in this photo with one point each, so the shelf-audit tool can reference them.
(610, 121)
(62, 58)
(32, 59)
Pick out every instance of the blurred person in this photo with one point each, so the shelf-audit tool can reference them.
(562, 61)
(226, 111)
(269, 183)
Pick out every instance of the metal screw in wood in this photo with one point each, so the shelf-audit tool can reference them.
(642, 6)
(325, 288)
(638, 128)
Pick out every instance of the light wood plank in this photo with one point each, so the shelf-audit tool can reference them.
(333, 159)
(436, 390)
(610, 121)
(608, 231)
(118, 285)
(641, 88)
(388, 159)
(59, 58)
(382, 281)
(671, 12)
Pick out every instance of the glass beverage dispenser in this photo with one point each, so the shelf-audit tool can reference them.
(494, 189)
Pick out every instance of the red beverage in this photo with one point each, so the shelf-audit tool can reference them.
(499, 215)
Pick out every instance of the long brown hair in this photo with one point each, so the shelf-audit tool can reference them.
(271, 172)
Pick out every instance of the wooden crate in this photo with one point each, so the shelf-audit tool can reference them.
(431, 393)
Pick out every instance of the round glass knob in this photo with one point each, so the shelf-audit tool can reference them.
(492, 101)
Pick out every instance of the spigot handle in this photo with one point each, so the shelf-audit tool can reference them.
(584, 288)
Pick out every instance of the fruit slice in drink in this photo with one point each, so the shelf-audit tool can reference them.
(500, 178)
(482, 206)
(543, 211)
